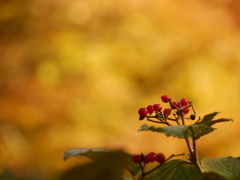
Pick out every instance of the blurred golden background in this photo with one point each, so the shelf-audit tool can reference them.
(73, 74)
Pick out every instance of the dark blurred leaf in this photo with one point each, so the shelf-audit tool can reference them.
(212, 176)
(90, 153)
(108, 166)
(228, 167)
(99, 154)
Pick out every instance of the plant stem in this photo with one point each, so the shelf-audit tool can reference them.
(192, 150)
(195, 156)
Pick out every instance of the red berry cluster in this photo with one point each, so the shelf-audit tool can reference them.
(150, 157)
(181, 106)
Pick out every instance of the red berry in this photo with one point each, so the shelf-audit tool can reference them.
(165, 98)
(184, 101)
(150, 109)
(152, 156)
(146, 159)
(157, 107)
(143, 112)
(177, 104)
(186, 110)
(137, 158)
(160, 157)
(167, 111)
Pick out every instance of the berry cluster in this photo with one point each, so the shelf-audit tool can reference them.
(180, 108)
(150, 157)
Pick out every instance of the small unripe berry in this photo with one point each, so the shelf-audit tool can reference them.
(167, 111)
(150, 109)
(175, 104)
(160, 157)
(137, 158)
(157, 107)
(165, 98)
(184, 101)
(143, 112)
(192, 117)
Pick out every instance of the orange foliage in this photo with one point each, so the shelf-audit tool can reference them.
(74, 74)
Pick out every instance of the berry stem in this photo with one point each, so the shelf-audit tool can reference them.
(192, 150)
(192, 108)
(163, 122)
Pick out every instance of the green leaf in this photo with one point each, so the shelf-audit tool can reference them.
(176, 131)
(220, 120)
(176, 169)
(228, 167)
(204, 127)
(133, 168)
(209, 117)
(212, 176)
(194, 131)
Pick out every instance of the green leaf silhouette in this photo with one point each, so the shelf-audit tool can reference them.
(228, 167)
